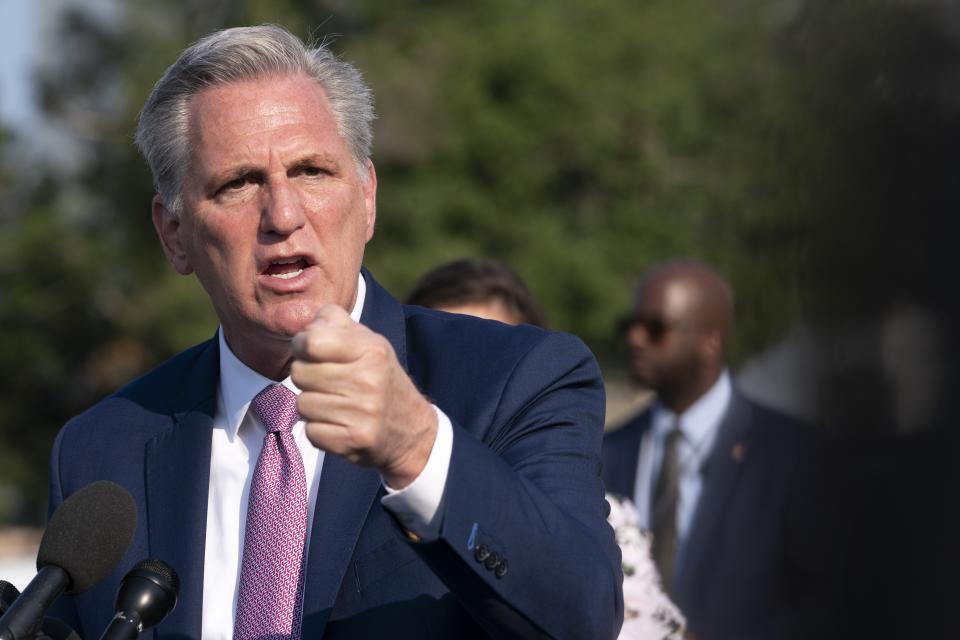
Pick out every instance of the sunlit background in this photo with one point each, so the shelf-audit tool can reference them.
(808, 148)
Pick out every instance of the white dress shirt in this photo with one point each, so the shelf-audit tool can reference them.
(237, 441)
(698, 425)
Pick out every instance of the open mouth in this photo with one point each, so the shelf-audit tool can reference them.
(286, 268)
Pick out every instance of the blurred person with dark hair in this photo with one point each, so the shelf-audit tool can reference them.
(735, 494)
(481, 287)
(334, 463)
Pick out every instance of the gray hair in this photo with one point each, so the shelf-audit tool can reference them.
(235, 55)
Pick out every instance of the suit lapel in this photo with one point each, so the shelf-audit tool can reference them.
(622, 454)
(177, 470)
(346, 492)
(344, 497)
(383, 314)
(720, 475)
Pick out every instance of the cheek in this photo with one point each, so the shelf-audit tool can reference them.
(219, 256)
(342, 219)
(688, 359)
(673, 358)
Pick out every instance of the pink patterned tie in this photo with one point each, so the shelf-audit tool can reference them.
(269, 603)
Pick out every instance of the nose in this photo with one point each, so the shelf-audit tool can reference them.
(282, 211)
(637, 335)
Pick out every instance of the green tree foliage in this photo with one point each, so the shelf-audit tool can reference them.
(578, 141)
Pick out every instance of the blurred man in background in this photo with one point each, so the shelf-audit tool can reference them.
(481, 287)
(733, 493)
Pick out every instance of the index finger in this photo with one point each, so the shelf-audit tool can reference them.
(332, 315)
(323, 342)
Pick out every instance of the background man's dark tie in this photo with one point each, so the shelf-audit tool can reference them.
(663, 520)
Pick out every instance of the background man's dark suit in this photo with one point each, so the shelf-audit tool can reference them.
(761, 557)
(523, 485)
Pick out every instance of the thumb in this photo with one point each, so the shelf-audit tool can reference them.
(331, 315)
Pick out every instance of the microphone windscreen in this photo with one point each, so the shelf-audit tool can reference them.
(8, 593)
(89, 533)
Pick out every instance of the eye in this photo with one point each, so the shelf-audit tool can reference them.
(310, 171)
(236, 185)
(233, 185)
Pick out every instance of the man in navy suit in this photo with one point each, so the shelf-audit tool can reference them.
(450, 482)
(734, 493)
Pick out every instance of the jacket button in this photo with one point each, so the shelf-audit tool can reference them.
(492, 561)
(501, 569)
(481, 552)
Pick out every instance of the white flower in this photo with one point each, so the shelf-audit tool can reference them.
(648, 612)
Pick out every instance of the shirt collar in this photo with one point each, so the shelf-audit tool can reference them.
(699, 423)
(239, 383)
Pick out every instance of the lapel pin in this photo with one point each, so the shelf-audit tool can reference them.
(738, 451)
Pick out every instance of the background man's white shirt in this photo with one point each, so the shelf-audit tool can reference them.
(699, 424)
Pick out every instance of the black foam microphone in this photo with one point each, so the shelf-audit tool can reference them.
(86, 538)
(147, 594)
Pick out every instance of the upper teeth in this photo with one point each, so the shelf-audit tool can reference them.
(286, 261)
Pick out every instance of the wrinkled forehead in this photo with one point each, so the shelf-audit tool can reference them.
(274, 98)
(243, 124)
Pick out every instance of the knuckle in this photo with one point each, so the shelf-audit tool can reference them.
(379, 348)
(364, 438)
(368, 405)
(359, 440)
(314, 343)
(306, 405)
(296, 371)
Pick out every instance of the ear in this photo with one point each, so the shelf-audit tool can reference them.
(171, 231)
(369, 187)
(712, 345)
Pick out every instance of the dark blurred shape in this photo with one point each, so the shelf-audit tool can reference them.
(881, 280)
(483, 287)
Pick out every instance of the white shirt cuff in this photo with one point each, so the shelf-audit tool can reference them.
(418, 505)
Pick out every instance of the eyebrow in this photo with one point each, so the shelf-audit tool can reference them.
(312, 159)
(315, 159)
(219, 179)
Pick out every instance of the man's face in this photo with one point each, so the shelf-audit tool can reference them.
(663, 343)
(275, 215)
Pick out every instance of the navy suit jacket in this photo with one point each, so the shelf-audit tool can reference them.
(524, 480)
(761, 559)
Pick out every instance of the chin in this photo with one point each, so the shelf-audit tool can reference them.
(291, 319)
(640, 371)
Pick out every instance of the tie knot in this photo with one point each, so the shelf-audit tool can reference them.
(276, 406)
(674, 436)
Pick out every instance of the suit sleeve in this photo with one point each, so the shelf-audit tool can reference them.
(524, 542)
